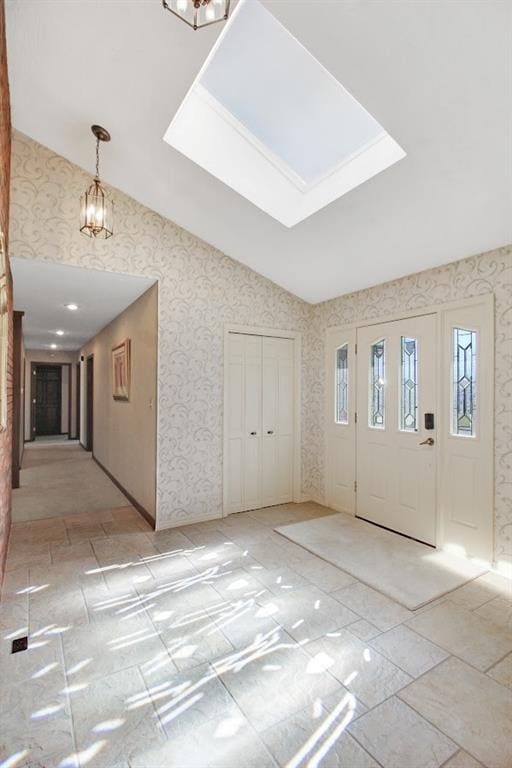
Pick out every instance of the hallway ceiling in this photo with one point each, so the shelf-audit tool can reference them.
(42, 290)
(437, 75)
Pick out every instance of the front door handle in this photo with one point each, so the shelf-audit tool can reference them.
(428, 441)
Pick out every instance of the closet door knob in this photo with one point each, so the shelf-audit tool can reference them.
(270, 432)
(253, 433)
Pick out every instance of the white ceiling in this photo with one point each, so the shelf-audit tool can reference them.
(42, 290)
(285, 98)
(437, 75)
(277, 128)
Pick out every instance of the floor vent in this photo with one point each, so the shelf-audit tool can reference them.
(19, 644)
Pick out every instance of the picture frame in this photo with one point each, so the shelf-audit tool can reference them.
(121, 371)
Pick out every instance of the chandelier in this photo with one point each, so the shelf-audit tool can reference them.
(198, 13)
(96, 208)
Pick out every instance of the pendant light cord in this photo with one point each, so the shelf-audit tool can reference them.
(97, 158)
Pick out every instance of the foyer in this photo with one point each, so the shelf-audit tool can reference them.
(225, 645)
(255, 384)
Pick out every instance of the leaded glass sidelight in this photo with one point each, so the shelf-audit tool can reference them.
(464, 382)
(341, 385)
(377, 384)
(409, 385)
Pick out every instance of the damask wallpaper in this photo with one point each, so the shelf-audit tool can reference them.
(489, 272)
(199, 290)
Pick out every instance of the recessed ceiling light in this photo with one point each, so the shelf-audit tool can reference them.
(72, 307)
(59, 333)
(53, 346)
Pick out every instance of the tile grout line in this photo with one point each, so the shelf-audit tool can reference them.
(396, 694)
(271, 595)
(461, 748)
(68, 702)
(486, 672)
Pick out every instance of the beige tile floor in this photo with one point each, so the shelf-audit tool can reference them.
(224, 645)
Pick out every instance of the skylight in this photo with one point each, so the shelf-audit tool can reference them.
(267, 119)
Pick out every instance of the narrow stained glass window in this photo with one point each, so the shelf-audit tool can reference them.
(409, 385)
(377, 384)
(341, 385)
(464, 382)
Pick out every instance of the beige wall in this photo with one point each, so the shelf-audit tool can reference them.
(125, 432)
(44, 356)
(200, 290)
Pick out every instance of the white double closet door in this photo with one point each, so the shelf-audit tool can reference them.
(260, 422)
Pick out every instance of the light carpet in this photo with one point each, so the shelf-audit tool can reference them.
(410, 573)
(59, 479)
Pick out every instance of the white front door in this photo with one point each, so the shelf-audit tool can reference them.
(397, 426)
(260, 421)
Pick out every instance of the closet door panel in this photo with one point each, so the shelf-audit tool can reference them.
(278, 394)
(270, 405)
(236, 423)
(252, 432)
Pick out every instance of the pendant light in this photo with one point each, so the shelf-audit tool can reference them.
(96, 208)
(198, 13)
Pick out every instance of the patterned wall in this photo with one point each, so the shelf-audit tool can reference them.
(200, 289)
(490, 272)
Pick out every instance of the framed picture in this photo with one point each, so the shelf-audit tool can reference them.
(121, 371)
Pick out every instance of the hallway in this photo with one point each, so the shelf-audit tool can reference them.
(60, 478)
(224, 645)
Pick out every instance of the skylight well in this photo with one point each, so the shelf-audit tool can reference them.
(267, 119)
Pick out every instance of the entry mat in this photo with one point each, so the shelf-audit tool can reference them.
(413, 574)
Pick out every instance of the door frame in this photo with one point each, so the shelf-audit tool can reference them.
(89, 406)
(276, 333)
(33, 365)
(18, 402)
(77, 401)
(442, 399)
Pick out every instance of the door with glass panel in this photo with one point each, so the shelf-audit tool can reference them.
(467, 468)
(340, 420)
(260, 421)
(396, 426)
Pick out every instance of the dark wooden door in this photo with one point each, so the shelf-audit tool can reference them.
(77, 417)
(90, 403)
(18, 385)
(48, 400)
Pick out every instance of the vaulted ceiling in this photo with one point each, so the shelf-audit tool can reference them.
(436, 75)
